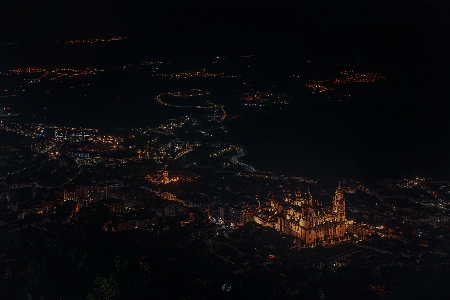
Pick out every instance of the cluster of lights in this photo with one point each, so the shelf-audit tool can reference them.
(350, 77)
(276, 177)
(97, 40)
(218, 117)
(58, 72)
(62, 135)
(91, 161)
(197, 93)
(266, 98)
(409, 183)
(139, 65)
(235, 160)
(161, 179)
(182, 153)
(107, 139)
(163, 129)
(74, 72)
(222, 151)
(168, 150)
(29, 70)
(190, 74)
(166, 196)
(32, 70)
(317, 87)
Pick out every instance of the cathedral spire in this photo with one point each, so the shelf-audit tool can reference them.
(310, 199)
(298, 193)
(339, 193)
(338, 199)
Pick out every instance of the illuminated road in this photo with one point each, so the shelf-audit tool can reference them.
(235, 160)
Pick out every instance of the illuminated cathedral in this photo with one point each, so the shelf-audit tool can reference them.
(307, 220)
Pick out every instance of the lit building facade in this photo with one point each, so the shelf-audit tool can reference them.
(231, 215)
(311, 223)
(99, 191)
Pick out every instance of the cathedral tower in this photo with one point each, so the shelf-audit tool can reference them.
(309, 198)
(299, 201)
(339, 203)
